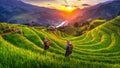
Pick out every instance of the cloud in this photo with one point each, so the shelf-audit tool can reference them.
(85, 5)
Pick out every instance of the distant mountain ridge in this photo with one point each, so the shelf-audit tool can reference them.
(106, 10)
(15, 11)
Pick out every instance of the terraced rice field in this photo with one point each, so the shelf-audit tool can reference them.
(98, 48)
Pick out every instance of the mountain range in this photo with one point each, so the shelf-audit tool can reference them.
(106, 10)
(15, 11)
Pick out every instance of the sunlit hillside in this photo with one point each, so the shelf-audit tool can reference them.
(22, 47)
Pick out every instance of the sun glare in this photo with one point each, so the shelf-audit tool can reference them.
(67, 9)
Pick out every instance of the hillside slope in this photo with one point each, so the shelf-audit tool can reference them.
(107, 10)
(16, 11)
(98, 48)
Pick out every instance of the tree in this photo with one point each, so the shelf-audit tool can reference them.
(118, 13)
(32, 23)
(91, 27)
(100, 18)
(78, 32)
(76, 24)
(48, 25)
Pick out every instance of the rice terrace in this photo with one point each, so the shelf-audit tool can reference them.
(95, 39)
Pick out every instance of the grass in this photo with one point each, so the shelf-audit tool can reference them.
(98, 48)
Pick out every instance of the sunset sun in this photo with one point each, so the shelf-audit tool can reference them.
(70, 9)
(67, 9)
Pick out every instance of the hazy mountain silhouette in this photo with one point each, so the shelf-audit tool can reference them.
(106, 10)
(15, 11)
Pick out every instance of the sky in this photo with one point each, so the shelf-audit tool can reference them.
(58, 3)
